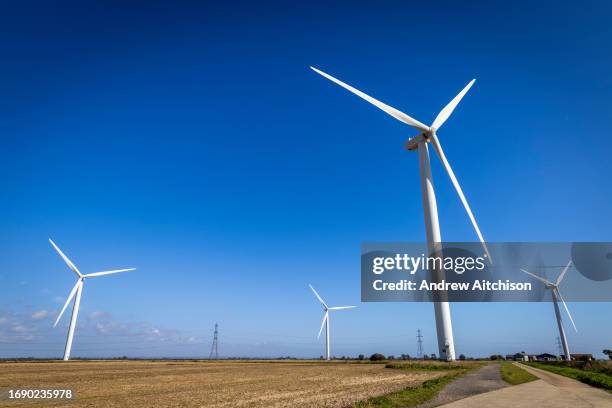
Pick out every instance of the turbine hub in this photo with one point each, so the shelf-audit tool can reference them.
(413, 142)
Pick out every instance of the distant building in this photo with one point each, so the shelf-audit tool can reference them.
(579, 357)
(546, 357)
(522, 356)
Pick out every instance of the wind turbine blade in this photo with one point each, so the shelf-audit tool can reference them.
(70, 296)
(65, 258)
(318, 297)
(562, 275)
(401, 116)
(91, 275)
(567, 310)
(341, 307)
(537, 277)
(322, 324)
(448, 109)
(451, 174)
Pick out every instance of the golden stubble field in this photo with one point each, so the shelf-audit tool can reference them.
(206, 384)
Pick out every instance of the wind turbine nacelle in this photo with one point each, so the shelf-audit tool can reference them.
(413, 142)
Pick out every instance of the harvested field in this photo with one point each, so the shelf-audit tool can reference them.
(206, 384)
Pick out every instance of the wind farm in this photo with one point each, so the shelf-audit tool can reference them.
(371, 379)
(368, 379)
(299, 187)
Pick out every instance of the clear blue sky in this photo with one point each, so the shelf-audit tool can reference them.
(193, 142)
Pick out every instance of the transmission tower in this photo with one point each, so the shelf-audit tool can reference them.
(419, 344)
(214, 350)
(559, 346)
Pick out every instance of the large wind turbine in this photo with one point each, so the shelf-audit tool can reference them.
(325, 321)
(420, 142)
(556, 295)
(76, 290)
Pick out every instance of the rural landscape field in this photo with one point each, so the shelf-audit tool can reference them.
(220, 384)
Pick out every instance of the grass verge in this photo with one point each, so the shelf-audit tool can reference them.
(514, 375)
(599, 380)
(411, 396)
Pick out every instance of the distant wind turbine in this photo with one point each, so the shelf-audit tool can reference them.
(76, 290)
(428, 134)
(325, 321)
(556, 294)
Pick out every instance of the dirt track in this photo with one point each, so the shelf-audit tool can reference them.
(483, 380)
(550, 391)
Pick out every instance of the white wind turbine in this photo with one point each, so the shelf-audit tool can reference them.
(76, 290)
(420, 142)
(325, 321)
(556, 295)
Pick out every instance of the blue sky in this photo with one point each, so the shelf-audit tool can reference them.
(193, 142)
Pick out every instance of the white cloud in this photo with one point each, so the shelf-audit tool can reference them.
(102, 328)
(19, 329)
(33, 326)
(41, 314)
(98, 315)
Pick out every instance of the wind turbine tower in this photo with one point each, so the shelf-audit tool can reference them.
(325, 322)
(556, 296)
(75, 294)
(428, 136)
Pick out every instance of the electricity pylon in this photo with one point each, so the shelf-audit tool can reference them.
(214, 350)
